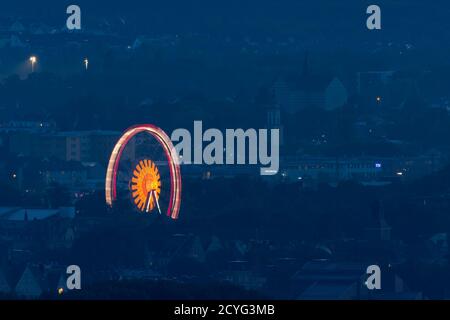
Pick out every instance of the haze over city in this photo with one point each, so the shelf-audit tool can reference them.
(359, 166)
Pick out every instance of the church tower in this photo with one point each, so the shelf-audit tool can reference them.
(274, 120)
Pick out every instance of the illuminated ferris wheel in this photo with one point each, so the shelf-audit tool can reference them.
(151, 180)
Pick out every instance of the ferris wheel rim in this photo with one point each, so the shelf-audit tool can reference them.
(171, 156)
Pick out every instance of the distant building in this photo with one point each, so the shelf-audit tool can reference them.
(367, 170)
(85, 146)
(32, 283)
(328, 280)
(138, 274)
(17, 27)
(309, 91)
(82, 146)
(239, 273)
(336, 95)
(274, 121)
(287, 97)
(373, 87)
(26, 126)
(22, 225)
(378, 229)
(19, 214)
(22, 137)
(38, 281)
(373, 81)
(70, 174)
(331, 169)
(179, 246)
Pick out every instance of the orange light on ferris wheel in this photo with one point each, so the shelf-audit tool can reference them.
(146, 185)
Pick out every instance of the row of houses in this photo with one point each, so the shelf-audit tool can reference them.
(35, 281)
(367, 170)
(282, 270)
(330, 280)
(81, 146)
(316, 280)
(307, 90)
(22, 230)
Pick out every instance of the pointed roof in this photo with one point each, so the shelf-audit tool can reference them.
(214, 245)
(17, 26)
(32, 283)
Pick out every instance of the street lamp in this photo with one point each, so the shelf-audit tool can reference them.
(33, 60)
(86, 63)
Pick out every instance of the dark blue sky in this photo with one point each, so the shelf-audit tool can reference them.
(410, 14)
(420, 22)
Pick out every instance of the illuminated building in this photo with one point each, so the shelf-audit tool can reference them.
(367, 170)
